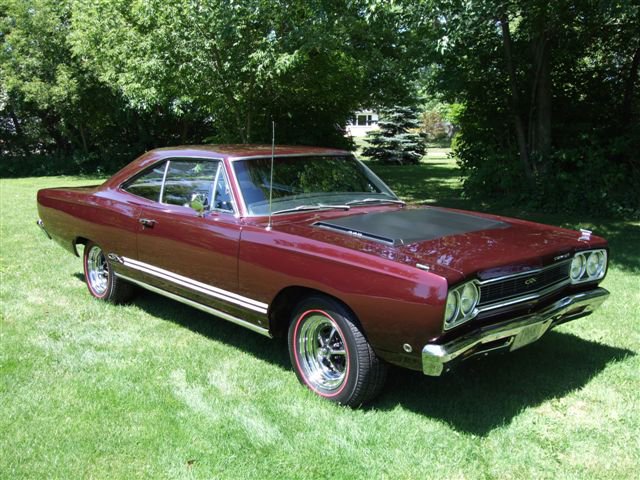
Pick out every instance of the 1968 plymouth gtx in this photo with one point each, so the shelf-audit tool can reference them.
(309, 243)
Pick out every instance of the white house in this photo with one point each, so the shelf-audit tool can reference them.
(362, 122)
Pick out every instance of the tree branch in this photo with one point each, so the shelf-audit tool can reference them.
(515, 98)
(629, 87)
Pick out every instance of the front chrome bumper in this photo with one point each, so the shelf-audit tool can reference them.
(509, 335)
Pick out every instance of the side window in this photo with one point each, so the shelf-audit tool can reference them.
(181, 181)
(189, 180)
(222, 194)
(148, 185)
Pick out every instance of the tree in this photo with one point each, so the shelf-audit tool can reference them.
(306, 65)
(82, 78)
(397, 141)
(550, 97)
(52, 103)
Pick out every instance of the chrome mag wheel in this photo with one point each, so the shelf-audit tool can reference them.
(321, 353)
(97, 271)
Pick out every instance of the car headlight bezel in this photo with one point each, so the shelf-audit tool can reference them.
(593, 266)
(462, 304)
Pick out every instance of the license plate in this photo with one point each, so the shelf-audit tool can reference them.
(529, 335)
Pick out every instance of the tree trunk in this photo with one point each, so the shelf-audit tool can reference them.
(228, 93)
(542, 145)
(248, 124)
(185, 131)
(629, 87)
(515, 99)
(83, 137)
(51, 125)
(19, 133)
(16, 123)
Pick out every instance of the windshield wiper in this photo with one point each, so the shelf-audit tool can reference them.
(375, 200)
(317, 206)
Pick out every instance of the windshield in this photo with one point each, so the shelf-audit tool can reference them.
(307, 182)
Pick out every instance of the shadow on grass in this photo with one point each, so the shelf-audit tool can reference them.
(273, 351)
(485, 394)
(477, 398)
(428, 182)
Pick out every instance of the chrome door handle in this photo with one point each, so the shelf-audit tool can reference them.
(147, 222)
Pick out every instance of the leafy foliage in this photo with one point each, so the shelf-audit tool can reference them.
(303, 64)
(55, 114)
(397, 141)
(100, 78)
(437, 120)
(545, 95)
(551, 101)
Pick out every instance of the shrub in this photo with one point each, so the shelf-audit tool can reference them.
(397, 141)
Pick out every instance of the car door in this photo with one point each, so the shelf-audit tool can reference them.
(192, 254)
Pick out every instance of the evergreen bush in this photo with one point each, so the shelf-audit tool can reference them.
(397, 141)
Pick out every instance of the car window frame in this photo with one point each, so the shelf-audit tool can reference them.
(328, 154)
(235, 212)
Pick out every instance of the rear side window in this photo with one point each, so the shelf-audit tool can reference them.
(181, 181)
(148, 185)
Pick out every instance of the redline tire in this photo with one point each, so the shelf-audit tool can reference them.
(101, 281)
(330, 354)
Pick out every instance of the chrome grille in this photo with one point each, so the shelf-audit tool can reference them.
(524, 285)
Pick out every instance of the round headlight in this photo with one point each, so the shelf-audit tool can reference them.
(595, 264)
(452, 307)
(577, 267)
(468, 298)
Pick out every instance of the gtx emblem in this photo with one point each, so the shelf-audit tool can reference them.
(530, 281)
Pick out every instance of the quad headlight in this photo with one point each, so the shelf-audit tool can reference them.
(461, 304)
(578, 265)
(588, 266)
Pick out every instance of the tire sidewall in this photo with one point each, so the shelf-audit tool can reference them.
(339, 316)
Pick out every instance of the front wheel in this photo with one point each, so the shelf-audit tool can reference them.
(330, 354)
(100, 278)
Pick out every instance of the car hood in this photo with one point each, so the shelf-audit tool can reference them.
(451, 243)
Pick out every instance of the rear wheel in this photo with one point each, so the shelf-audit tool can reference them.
(100, 278)
(330, 354)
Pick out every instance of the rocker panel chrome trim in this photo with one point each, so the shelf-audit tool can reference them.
(195, 285)
(199, 306)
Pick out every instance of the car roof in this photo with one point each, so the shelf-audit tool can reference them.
(234, 151)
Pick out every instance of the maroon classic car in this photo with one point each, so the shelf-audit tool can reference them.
(309, 243)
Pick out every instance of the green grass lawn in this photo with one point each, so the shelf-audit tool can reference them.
(156, 389)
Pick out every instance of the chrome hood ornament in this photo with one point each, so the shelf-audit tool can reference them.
(585, 235)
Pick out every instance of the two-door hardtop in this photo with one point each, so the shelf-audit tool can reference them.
(309, 243)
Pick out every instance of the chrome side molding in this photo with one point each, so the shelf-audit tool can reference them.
(196, 286)
(115, 258)
(199, 306)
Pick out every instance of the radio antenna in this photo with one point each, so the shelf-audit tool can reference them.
(273, 150)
